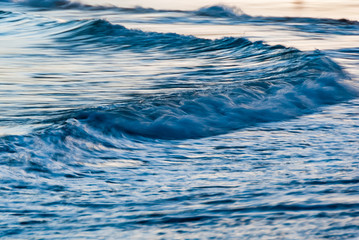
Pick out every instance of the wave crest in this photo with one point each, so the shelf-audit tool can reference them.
(239, 84)
(236, 83)
(220, 11)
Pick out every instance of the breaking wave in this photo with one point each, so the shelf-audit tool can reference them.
(220, 11)
(232, 84)
(242, 83)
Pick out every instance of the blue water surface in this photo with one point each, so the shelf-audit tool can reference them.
(112, 131)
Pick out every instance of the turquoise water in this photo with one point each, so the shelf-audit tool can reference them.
(126, 122)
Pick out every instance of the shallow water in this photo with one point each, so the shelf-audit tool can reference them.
(178, 121)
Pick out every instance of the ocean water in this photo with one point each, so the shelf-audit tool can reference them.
(159, 120)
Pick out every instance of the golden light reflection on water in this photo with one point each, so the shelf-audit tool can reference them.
(305, 8)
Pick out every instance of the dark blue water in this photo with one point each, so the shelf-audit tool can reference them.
(113, 132)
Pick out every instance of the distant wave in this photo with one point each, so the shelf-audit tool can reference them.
(220, 11)
(236, 16)
(67, 4)
(232, 15)
(58, 4)
(209, 11)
